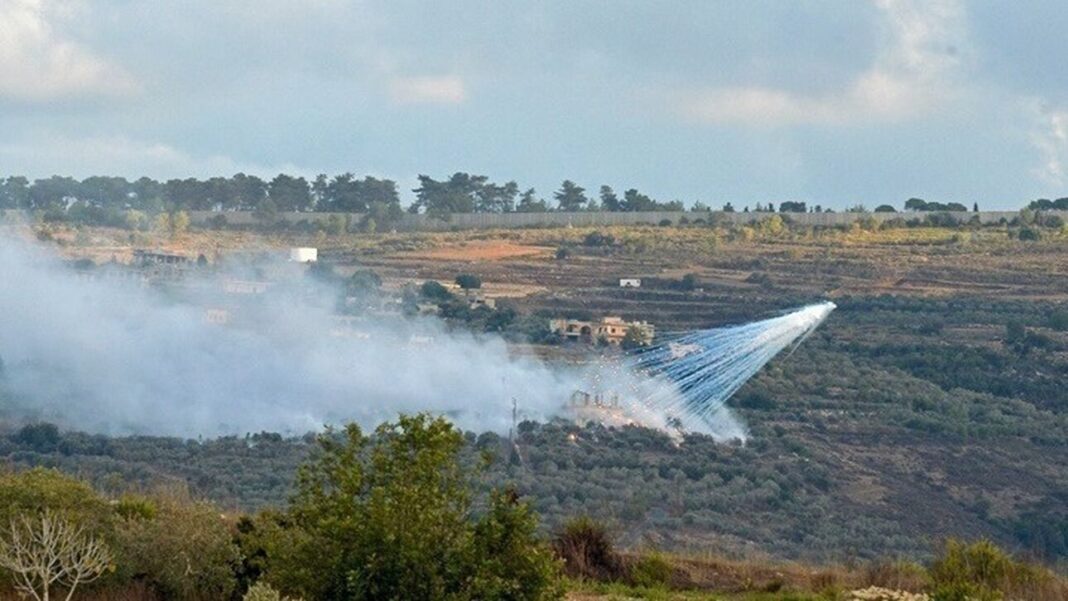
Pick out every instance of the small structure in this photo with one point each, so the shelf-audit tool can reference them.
(147, 258)
(611, 329)
(581, 398)
(630, 282)
(303, 254)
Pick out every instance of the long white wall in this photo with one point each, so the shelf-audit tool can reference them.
(520, 220)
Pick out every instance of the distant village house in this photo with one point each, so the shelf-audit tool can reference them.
(611, 329)
(630, 282)
(304, 255)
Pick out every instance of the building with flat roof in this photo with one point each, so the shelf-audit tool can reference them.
(611, 329)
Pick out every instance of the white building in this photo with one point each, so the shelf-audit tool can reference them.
(630, 282)
(304, 255)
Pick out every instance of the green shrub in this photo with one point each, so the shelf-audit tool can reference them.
(135, 507)
(1029, 234)
(183, 549)
(982, 572)
(509, 562)
(651, 570)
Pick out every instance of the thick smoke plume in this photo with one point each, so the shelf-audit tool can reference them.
(109, 355)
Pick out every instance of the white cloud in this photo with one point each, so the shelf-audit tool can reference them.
(912, 74)
(427, 90)
(1050, 138)
(37, 63)
(120, 155)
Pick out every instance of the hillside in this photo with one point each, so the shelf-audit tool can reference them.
(929, 405)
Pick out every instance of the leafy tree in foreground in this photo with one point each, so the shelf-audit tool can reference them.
(389, 517)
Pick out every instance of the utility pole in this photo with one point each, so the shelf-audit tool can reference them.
(515, 413)
(515, 457)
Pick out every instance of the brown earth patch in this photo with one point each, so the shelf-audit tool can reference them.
(480, 250)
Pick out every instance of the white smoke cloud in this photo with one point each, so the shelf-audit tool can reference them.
(108, 355)
(103, 357)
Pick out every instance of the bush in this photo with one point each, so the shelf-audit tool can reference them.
(182, 549)
(508, 560)
(1028, 234)
(468, 281)
(434, 290)
(587, 550)
(651, 570)
(563, 253)
(688, 282)
(982, 572)
(596, 239)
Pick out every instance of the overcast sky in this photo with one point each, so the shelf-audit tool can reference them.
(831, 102)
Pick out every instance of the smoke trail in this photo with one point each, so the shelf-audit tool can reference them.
(707, 367)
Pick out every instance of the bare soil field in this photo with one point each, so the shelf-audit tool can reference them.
(477, 251)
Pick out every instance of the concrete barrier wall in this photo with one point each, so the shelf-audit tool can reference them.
(463, 221)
